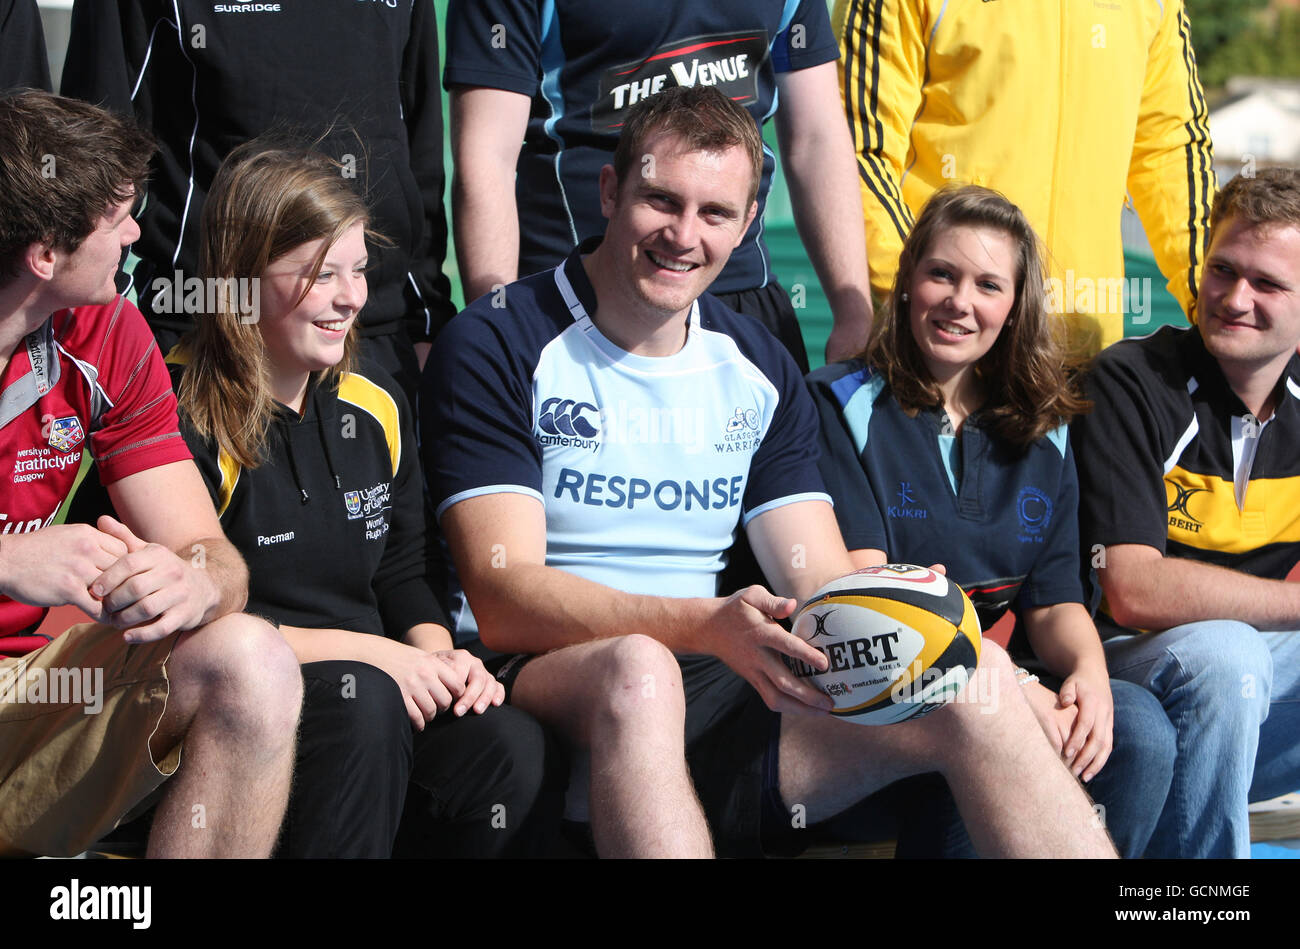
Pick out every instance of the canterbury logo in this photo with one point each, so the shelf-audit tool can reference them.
(569, 417)
(1179, 505)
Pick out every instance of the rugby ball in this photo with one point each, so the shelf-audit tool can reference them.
(902, 641)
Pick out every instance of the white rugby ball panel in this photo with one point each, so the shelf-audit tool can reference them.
(900, 641)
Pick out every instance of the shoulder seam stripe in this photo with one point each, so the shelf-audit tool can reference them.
(1172, 461)
(230, 470)
(372, 399)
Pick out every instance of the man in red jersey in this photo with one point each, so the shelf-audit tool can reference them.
(93, 721)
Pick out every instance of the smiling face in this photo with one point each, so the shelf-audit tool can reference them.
(307, 335)
(86, 276)
(961, 293)
(1248, 310)
(672, 225)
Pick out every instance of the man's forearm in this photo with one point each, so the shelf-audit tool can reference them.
(828, 215)
(487, 132)
(534, 608)
(1171, 591)
(821, 171)
(486, 223)
(225, 571)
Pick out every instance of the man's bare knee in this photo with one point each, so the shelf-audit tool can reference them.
(240, 668)
(607, 684)
(641, 677)
(991, 708)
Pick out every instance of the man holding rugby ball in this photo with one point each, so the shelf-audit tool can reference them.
(593, 435)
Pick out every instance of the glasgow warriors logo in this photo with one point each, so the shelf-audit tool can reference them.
(743, 419)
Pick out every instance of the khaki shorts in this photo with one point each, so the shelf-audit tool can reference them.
(76, 720)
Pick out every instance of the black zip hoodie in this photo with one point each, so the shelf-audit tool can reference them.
(332, 523)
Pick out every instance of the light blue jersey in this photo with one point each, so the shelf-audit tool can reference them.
(645, 465)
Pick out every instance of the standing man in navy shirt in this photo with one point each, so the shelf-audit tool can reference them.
(361, 78)
(592, 447)
(560, 77)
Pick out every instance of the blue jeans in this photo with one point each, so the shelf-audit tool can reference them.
(1131, 787)
(1232, 694)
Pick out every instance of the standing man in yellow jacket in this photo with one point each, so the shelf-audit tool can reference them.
(1064, 106)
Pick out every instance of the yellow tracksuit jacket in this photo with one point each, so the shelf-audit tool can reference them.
(1062, 105)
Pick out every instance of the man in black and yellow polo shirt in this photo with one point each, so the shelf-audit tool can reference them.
(1189, 470)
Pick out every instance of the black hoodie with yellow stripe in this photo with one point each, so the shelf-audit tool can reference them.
(332, 523)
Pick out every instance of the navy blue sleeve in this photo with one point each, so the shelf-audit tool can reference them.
(1054, 577)
(495, 44)
(784, 468)
(476, 406)
(808, 40)
(841, 462)
(22, 47)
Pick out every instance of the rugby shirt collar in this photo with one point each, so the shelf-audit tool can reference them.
(580, 296)
(24, 386)
(1205, 369)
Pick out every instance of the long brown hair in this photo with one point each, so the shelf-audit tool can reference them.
(1027, 379)
(266, 199)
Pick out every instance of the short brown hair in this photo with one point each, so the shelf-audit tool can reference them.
(1270, 197)
(705, 119)
(63, 165)
(1027, 384)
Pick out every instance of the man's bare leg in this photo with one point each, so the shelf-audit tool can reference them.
(1017, 798)
(622, 700)
(235, 694)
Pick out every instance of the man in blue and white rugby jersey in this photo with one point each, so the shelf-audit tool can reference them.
(593, 436)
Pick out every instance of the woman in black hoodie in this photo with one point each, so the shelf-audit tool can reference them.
(312, 464)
